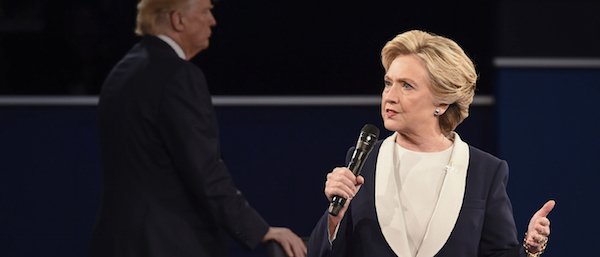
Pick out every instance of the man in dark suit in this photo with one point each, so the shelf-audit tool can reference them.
(167, 191)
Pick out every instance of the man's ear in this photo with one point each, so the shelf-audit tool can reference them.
(176, 21)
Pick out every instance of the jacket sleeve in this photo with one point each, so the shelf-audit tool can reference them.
(318, 244)
(189, 130)
(499, 234)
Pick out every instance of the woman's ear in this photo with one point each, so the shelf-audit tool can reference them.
(441, 109)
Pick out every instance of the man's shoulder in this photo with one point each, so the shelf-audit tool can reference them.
(158, 58)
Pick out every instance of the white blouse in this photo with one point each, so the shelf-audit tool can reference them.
(434, 183)
(420, 176)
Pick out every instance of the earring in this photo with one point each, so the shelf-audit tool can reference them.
(437, 111)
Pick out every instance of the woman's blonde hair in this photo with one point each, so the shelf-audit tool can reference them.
(452, 74)
(153, 14)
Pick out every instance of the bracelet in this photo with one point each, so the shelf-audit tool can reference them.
(539, 252)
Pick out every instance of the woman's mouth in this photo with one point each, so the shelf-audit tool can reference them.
(390, 112)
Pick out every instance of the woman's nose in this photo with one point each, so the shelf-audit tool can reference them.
(391, 94)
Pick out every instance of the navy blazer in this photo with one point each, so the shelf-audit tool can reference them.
(485, 225)
(167, 192)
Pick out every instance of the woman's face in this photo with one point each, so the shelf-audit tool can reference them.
(406, 102)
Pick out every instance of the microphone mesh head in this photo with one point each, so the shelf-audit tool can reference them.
(368, 137)
(368, 128)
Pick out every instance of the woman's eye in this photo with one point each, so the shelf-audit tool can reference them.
(406, 85)
(387, 83)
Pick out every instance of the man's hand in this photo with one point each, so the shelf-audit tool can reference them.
(291, 243)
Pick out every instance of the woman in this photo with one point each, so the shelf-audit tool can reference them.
(425, 192)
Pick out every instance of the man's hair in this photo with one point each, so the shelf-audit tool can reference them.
(153, 15)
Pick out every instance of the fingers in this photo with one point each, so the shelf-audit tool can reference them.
(542, 226)
(539, 227)
(298, 247)
(539, 223)
(289, 241)
(540, 216)
(538, 234)
(535, 242)
(343, 183)
(543, 212)
(360, 180)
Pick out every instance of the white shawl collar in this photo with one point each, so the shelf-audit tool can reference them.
(446, 212)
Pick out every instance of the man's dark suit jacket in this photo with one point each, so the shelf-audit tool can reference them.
(167, 191)
(485, 225)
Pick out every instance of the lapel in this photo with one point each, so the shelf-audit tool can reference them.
(387, 200)
(446, 212)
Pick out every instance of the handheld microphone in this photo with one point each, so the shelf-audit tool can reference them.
(366, 140)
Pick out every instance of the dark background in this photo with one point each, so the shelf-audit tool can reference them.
(544, 121)
(258, 47)
(269, 47)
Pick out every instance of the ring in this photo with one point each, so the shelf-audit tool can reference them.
(541, 239)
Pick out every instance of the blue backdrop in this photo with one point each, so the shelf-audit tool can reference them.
(543, 125)
(548, 132)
